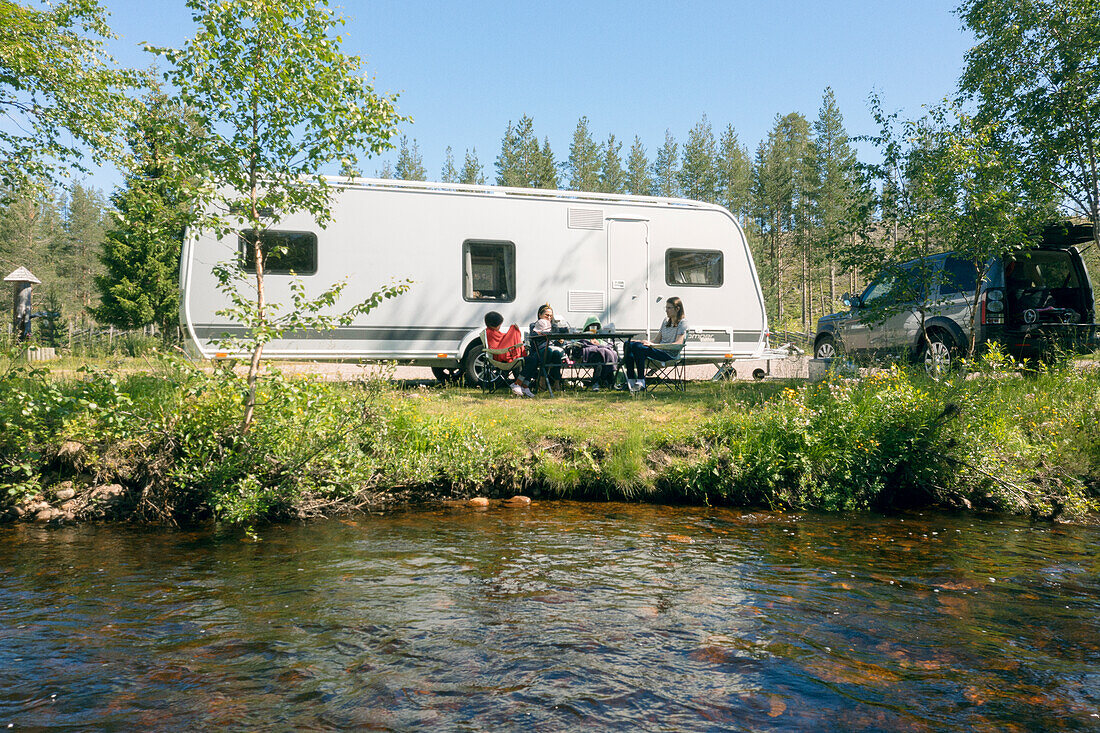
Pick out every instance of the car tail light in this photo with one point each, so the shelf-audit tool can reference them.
(993, 306)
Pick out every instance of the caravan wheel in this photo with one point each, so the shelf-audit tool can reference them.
(476, 369)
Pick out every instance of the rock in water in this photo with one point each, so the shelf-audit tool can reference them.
(478, 502)
(518, 500)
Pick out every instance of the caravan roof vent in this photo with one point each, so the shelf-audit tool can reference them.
(585, 219)
(586, 301)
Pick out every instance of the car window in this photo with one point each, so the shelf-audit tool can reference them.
(879, 290)
(958, 276)
(1042, 269)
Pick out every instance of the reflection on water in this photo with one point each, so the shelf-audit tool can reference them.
(553, 616)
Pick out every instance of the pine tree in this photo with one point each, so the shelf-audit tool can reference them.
(779, 196)
(472, 172)
(141, 250)
(734, 176)
(520, 156)
(583, 166)
(29, 223)
(666, 168)
(546, 169)
(53, 326)
(507, 162)
(839, 190)
(699, 171)
(612, 176)
(78, 251)
(449, 174)
(638, 179)
(410, 166)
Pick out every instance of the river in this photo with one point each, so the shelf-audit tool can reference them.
(555, 616)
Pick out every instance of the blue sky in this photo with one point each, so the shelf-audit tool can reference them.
(465, 69)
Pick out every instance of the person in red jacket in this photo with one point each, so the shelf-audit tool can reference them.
(512, 339)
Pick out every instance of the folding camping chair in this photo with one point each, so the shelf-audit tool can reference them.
(490, 372)
(671, 374)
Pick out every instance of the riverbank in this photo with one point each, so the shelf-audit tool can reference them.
(162, 445)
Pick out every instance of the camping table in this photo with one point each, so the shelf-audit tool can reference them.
(615, 337)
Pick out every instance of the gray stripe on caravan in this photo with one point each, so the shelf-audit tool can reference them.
(378, 333)
(719, 337)
(348, 333)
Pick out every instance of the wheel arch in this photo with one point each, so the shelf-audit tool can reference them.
(827, 332)
(466, 344)
(940, 325)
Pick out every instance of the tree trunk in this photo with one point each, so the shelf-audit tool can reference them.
(777, 273)
(257, 251)
(806, 302)
(258, 349)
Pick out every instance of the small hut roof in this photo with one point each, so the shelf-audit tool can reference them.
(22, 275)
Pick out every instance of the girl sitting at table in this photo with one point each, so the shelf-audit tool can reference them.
(547, 352)
(667, 345)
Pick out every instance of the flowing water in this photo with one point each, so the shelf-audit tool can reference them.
(555, 616)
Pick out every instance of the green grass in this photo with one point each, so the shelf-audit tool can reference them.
(169, 433)
(597, 418)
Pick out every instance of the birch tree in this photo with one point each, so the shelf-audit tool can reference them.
(277, 101)
(1035, 74)
(60, 94)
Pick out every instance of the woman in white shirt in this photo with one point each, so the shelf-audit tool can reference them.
(668, 344)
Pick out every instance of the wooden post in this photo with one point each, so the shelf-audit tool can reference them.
(23, 281)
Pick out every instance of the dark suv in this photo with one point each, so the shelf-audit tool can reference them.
(1029, 302)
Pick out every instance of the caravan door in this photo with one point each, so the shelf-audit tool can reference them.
(627, 274)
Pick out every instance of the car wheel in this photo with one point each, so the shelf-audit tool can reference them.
(827, 348)
(939, 354)
(447, 375)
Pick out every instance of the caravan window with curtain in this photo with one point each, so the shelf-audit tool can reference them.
(700, 268)
(488, 271)
(285, 253)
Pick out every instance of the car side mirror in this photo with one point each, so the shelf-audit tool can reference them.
(852, 301)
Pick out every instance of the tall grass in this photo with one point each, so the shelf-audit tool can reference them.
(169, 435)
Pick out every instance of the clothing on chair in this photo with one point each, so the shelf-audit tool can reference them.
(512, 339)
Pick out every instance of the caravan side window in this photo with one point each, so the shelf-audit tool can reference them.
(285, 253)
(488, 271)
(701, 268)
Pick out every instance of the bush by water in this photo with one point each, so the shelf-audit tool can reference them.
(167, 439)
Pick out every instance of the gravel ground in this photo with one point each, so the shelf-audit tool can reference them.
(786, 368)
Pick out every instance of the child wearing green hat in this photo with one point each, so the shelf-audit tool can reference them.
(594, 351)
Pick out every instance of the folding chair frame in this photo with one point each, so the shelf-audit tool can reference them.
(671, 374)
(493, 372)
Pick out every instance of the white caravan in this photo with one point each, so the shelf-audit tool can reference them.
(472, 249)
